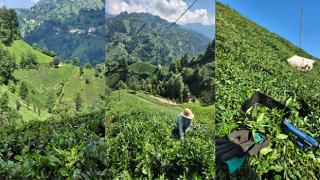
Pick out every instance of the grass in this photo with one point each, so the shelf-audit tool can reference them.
(43, 80)
(90, 92)
(19, 46)
(27, 113)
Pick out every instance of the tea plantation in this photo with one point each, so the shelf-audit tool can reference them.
(249, 58)
(142, 142)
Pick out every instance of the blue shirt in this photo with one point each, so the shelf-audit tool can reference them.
(182, 121)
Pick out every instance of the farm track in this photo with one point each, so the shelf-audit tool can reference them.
(170, 102)
(65, 86)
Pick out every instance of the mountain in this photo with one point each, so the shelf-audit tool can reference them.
(109, 15)
(207, 30)
(140, 31)
(53, 23)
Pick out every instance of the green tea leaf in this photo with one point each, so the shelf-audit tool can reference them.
(55, 159)
(260, 118)
(64, 172)
(282, 136)
(297, 173)
(265, 164)
(276, 168)
(288, 103)
(265, 150)
(18, 157)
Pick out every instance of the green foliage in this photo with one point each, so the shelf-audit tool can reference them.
(99, 68)
(88, 65)
(250, 59)
(50, 101)
(95, 62)
(149, 88)
(18, 104)
(156, 151)
(75, 61)
(9, 24)
(63, 157)
(185, 94)
(55, 61)
(11, 86)
(78, 101)
(27, 100)
(23, 92)
(81, 70)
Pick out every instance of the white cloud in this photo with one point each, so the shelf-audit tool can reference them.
(170, 10)
(115, 6)
(1, 4)
(213, 21)
(35, 1)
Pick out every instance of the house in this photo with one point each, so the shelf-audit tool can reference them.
(72, 30)
(57, 33)
(89, 30)
(89, 34)
(114, 36)
(69, 16)
(60, 16)
(24, 19)
(137, 34)
(32, 20)
(58, 29)
(38, 24)
(84, 9)
(93, 29)
(159, 66)
(99, 27)
(95, 8)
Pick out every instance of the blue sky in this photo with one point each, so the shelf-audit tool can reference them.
(203, 11)
(18, 3)
(284, 18)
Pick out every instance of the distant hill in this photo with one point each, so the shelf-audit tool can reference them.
(109, 15)
(138, 33)
(207, 30)
(55, 19)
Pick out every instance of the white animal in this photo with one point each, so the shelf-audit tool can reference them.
(301, 63)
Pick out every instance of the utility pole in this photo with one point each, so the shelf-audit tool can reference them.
(301, 27)
(118, 86)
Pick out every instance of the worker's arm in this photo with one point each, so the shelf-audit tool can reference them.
(189, 124)
(180, 125)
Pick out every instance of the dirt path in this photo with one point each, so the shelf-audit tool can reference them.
(65, 86)
(170, 102)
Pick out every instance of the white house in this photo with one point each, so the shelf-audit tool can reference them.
(159, 66)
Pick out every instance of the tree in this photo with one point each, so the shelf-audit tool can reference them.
(95, 63)
(193, 99)
(27, 100)
(35, 45)
(52, 54)
(34, 107)
(81, 70)
(22, 60)
(4, 101)
(50, 63)
(99, 68)
(184, 60)
(18, 104)
(11, 86)
(55, 61)
(23, 92)
(78, 101)
(186, 94)
(149, 88)
(45, 50)
(87, 65)
(96, 74)
(50, 101)
(75, 61)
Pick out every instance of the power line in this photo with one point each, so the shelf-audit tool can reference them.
(172, 24)
(176, 20)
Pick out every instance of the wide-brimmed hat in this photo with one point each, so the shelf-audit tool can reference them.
(187, 113)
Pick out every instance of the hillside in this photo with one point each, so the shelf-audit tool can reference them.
(152, 146)
(207, 30)
(55, 24)
(19, 46)
(133, 35)
(250, 58)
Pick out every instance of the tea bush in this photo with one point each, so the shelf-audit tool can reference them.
(250, 59)
(71, 148)
(143, 143)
